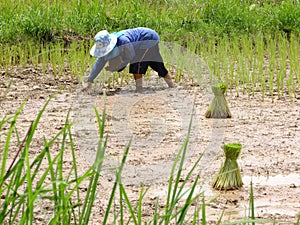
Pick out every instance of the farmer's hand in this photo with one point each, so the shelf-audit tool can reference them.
(115, 64)
(86, 86)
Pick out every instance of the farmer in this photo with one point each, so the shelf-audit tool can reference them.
(137, 47)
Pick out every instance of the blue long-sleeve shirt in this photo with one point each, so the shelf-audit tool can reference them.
(133, 39)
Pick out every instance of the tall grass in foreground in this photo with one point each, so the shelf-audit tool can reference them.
(41, 189)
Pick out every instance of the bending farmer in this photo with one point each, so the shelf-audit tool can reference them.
(137, 47)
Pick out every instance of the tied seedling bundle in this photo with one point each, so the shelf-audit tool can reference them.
(229, 176)
(219, 106)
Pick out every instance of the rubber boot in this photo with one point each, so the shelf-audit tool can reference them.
(138, 82)
(169, 81)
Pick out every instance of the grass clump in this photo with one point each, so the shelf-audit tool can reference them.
(30, 184)
(48, 20)
(229, 177)
(219, 106)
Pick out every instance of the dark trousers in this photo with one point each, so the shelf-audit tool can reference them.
(145, 58)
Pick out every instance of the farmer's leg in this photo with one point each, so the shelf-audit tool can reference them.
(155, 61)
(169, 81)
(160, 68)
(138, 82)
(138, 70)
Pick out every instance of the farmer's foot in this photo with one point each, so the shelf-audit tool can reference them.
(139, 89)
(169, 81)
(138, 82)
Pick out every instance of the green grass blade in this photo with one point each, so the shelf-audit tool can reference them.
(196, 216)
(187, 178)
(156, 213)
(121, 207)
(172, 197)
(140, 204)
(131, 210)
(90, 198)
(252, 203)
(99, 159)
(7, 144)
(117, 181)
(187, 203)
(221, 216)
(203, 207)
(86, 200)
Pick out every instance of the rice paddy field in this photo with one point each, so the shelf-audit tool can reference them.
(113, 156)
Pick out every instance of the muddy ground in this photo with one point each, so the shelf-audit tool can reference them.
(158, 122)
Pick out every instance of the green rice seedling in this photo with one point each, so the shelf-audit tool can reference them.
(74, 58)
(13, 179)
(77, 57)
(254, 64)
(251, 201)
(97, 166)
(218, 63)
(271, 54)
(173, 213)
(282, 65)
(294, 48)
(290, 87)
(224, 59)
(13, 50)
(25, 182)
(259, 41)
(35, 49)
(5, 150)
(175, 192)
(235, 69)
(203, 212)
(241, 79)
(247, 49)
(122, 189)
(291, 78)
(60, 58)
(110, 82)
(125, 78)
(229, 177)
(2, 58)
(231, 81)
(219, 106)
(68, 54)
(82, 57)
(53, 58)
(250, 218)
(21, 54)
(294, 75)
(208, 53)
(44, 58)
(196, 215)
(117, 179)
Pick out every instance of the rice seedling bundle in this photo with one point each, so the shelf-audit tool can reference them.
(219, 106)
(229, 176)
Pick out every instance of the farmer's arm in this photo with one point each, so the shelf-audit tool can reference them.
(97, 67)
